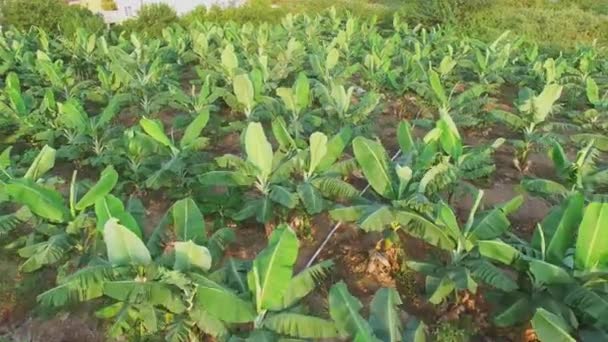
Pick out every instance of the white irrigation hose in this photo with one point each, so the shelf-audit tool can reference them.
(339, 224)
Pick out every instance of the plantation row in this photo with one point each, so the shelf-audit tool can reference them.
(127, 116)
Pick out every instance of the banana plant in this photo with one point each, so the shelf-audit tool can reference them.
(18, 110)
(62, 232)
(465, 267)
(61, 79)
(594, 120)
(180, 159)
(533, 121)
(326, 67)
(488, 62)
(404, 190)
(163, 287)
(276, 292)
(83, 131)
(198, 100)
(582, 175)
(296, 100)
(466, 106)
(284, 178)
(343, 107)
(561, 273)
(384, 323)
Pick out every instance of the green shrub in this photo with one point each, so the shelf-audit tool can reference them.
(152, 19)
(75, 17)
(53, 16)
(559, 28)
(252, 11)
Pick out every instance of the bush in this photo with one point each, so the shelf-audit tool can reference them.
(559, 28)
(53, 16)
(75, 17)
(252, 11)
(152, 19)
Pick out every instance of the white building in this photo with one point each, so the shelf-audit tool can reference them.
(129, 8)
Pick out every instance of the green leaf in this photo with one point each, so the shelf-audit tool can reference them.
(384, 315)
(415, 331)
(194, 129)
(591, 244)
(490, 226)
(543, 186)
(491, 275)
(318, 150)
(105, 184)
(188, 221)
(272, 268)
(517, 312)
(550, 327)
(301, 326)
(73, 116)
(229, 59)
(377, 220)
(405, 138)
(420, 227)
(549, 274)
(332, 58)
(435, 82)
(189, 255)
(44, 161)
(588, 301)
(562, 237)
(222, 303)
(225, 178)
(593, 92)
(109, 207)
(280, 132)
(304, 283)
(302, 91)
(311, 198)
(283, 196)
(124, 247)
(373, 160)
(259, 150)
(335, 148)
(443, 289)
(42, 201)
(344, 310)
(543, 103)
(5, 158)
(243, 90)
(498, 250)
(156, 130)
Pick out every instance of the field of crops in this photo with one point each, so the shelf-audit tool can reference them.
(325, 178)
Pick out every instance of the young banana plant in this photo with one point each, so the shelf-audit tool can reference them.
(18, 110)
(466, 266)
(62, 80)
(594, 120)
(276, 292)
(286, 179)
(384, 323)
(532, 121)
(296, 101)
(404, 189)
(583, 175)
(344, 108)
(561, 274)
(84, 132)
(162, 287)
(62, 232)
(198, 101)
(181, 156)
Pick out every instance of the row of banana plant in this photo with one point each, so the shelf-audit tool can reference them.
(303, 96)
